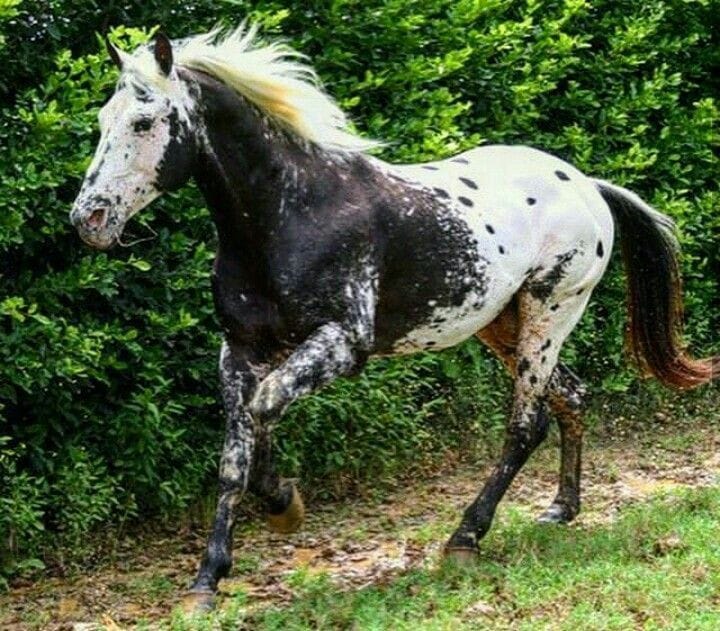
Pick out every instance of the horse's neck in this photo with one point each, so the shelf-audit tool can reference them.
(234, 170)
(246, 169)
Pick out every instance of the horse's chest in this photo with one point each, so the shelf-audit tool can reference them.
(271, 320)
(247, 317)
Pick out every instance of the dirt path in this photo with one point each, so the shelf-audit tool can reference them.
(357, 543)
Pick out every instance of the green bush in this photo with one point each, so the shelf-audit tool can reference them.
(108, 389)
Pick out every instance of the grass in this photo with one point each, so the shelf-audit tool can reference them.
(657, 566)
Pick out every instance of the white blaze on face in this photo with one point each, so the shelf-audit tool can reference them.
(134, 137)
(138, 126)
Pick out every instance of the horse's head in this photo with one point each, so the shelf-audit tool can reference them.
(147, 145)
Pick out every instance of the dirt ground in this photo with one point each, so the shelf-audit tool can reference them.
(357, 542)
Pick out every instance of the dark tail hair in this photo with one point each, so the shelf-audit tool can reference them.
(650, 250)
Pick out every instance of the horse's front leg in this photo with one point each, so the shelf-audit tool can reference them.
(331, 351)
(282, 501)
(238, 376)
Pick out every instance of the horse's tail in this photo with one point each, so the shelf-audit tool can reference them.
(650, 249)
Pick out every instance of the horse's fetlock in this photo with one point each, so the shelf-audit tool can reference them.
(205, 583)
(220, 564)
(466, 539)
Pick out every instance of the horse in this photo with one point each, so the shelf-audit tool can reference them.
(328, 256)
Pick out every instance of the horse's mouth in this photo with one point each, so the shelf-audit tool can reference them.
(100, 237)
(99, 227)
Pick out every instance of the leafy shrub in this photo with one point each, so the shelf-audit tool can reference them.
(108, 393)
(22, 502)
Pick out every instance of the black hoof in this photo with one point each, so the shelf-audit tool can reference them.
(557, 513)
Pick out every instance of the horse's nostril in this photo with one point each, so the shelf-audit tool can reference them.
(97, 218)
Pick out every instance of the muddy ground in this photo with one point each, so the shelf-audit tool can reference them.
(358, 542)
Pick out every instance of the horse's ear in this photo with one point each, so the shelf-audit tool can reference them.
(113, 52)
(163, 53)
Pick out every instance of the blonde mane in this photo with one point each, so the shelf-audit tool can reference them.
(273, 77)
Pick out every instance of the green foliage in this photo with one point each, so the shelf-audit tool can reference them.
(108, 394)
(397, 416)
(22, 504)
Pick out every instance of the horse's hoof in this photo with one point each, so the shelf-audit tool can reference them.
(556, 514)
(291, 518)
(194, 603)
(461, 556)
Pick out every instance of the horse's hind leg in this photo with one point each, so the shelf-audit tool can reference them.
(565, 397)
(566, 400)
(542, 331)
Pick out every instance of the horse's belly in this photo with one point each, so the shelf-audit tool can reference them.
(448, 325)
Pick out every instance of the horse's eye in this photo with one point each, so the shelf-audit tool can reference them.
(144, 124)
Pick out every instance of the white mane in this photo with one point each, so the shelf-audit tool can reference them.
(273, 77)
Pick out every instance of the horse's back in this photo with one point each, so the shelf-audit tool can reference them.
(526, 212)
(530, 205)
(534, 193)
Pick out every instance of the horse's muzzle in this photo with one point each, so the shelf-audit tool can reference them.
(96, 225)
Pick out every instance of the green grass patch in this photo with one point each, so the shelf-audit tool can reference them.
(656, 566)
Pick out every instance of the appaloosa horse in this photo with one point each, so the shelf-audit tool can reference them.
(327, 256)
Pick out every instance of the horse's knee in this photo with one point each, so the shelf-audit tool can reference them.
(235, 464)
(270, 398)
